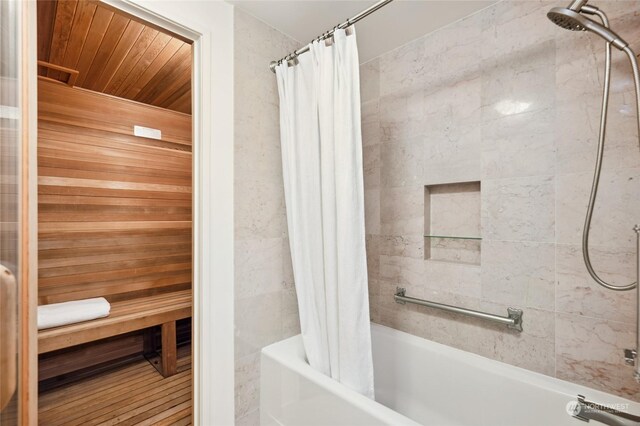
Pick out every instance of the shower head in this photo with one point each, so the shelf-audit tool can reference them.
(574, 21)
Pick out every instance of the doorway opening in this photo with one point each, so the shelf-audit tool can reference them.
(115, 210)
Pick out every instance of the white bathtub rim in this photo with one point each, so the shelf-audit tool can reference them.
(281, 353)
(539, 380)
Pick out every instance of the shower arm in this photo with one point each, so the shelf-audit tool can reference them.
(601, 139)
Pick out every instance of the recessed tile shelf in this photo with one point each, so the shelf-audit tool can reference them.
(452, 223)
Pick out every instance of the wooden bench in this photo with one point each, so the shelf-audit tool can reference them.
(126, 316)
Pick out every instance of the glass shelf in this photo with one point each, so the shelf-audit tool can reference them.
(452, 237)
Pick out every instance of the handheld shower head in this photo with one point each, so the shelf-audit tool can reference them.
(574, 21)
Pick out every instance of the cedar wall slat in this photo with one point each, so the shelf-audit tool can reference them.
(114, 209)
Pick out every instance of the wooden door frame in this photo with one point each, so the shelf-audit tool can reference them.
(28, 349)
(210, 26)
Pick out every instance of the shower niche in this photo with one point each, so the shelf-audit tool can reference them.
(452, 223)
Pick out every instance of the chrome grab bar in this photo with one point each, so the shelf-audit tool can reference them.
(512, 321)
(586, 410)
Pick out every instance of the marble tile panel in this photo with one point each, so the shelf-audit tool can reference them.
(372, 166)
(453, 278)
(578, 294)
(259, 209)
(258, 266)
(405, 68)
(519, 209)
(402, 116)
(519, 274)
(402, 163)
(589, 351)
(519, 82)
(453, 133)
(615, 208)
(402, 210)
(370, 80)
(519, 145)
(372, 211)
(406, 272)
(258, 322)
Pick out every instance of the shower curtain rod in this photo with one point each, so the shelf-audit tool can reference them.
(329, 33)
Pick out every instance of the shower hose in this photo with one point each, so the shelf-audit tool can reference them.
(598, 168)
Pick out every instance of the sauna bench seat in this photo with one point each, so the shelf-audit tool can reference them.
(127, 316)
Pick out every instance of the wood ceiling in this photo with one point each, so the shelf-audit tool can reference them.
(114, 53)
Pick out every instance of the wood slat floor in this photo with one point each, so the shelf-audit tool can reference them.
(133, 394)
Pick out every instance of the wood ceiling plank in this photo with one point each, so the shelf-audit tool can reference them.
(170, 71)
(115, 53)
(183, 103)
(101, 20)
(138, 49)
(46, 20)
(158, 45)
(62, 27)
(125, 44)
(81, 23)
(115, 30)
(172, 91)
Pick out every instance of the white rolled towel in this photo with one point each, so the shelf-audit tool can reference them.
(57, 314)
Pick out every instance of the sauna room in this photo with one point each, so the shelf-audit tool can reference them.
(114, 218)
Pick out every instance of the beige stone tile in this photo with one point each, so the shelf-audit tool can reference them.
(402, 163)
(370, 80)
(250, 419)
(453, 134)
(372, 211)
(453, 278)
(259, 209)
(519, 145)
(578, 294)
(371, 166)
(589, 351)
(519, 209)
(247, 384)
(258, 267)
(290, 325)
(258, 322)
(402, 116)
(402, 211)
(615, 208)
(405, 68)
(373, 256)
(402, 245)
(519, 274)
(405, 272)
(512, 26)
(519, 82)
(370, 111)
(533, 348)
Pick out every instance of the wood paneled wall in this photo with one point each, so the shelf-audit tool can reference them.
(114, 209)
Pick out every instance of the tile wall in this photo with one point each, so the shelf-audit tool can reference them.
(265, 301)
(506, 98)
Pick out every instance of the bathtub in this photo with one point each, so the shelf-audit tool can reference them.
(417, 382)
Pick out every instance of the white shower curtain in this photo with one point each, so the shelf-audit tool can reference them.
(322, 167)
